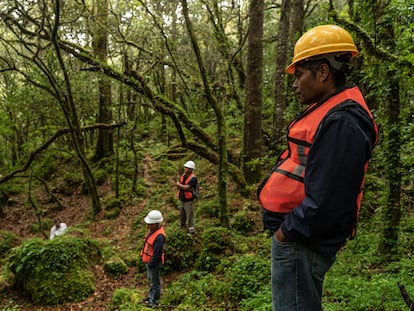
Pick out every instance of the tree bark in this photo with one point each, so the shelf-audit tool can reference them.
(253, 106)
(104, 146)
(392, 214)
(279, 130)
(224, 212)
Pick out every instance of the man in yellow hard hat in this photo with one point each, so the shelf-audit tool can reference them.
(311, 198)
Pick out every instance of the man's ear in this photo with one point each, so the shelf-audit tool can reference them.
(324, 71)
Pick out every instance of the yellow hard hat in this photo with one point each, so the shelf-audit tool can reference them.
(321, 40)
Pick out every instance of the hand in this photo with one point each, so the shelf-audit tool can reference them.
(279, 236)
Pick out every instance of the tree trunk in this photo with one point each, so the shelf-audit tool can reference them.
(253, 107)
(104, 146)
(279, 130)
(297, 22)
(224, 212)
(68, 106)
(392, 214)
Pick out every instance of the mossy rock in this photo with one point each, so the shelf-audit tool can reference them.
(115, 267)
(57, 288)
(57, 271)
(131, 258)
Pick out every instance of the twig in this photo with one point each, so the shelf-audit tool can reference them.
(408, 301)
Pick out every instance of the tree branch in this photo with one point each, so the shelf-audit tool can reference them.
(46, 144)
(369, 43)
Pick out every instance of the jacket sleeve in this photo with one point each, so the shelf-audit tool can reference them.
(158, 250)
(193, 182)
(334, 173)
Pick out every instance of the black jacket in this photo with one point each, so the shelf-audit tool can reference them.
(334, 172)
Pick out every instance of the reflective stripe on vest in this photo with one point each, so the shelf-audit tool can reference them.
(147, 250)
(188, 194)
(284, 189)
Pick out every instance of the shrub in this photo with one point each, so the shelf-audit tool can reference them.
(126, 299)
(194, 291)
(11, 306)
(115, 267)
(57, 271)
(249, 275)
(260, 301)
(242, 223)
(100, 176)
(112, 213)
(73, 179)
(111, 203)
(215, 242)
(181, 251)
(8, 240)
(131, 258)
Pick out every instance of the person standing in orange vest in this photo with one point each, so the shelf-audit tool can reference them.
(186, 187)
(311, 197)
(152, 253)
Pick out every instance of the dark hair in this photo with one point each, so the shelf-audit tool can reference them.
(314, 64)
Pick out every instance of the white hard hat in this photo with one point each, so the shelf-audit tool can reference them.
(154, 217)
(190, 164)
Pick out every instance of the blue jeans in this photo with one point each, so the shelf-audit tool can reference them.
(154, 277)
(297, 277)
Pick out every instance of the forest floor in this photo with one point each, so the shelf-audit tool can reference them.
(19, 219)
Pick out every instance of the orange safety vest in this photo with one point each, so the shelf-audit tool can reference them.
(188, 194)
(147, 250)
(284, 189)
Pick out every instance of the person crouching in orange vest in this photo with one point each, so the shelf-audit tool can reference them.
(152, 253)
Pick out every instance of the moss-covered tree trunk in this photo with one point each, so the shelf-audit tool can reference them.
(392, 213)
(65, 96)
(104, 146)
(253, 108)
(224, 213)
(280, 75)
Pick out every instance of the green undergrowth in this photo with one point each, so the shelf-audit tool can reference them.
(57, 271)
(361, 280)
(229, 268)
(217, 268)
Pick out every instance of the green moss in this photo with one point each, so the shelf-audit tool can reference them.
(242, 222)
(57, 271)
(115, 267)
(112, 213)
(8, 240)
(127, 299)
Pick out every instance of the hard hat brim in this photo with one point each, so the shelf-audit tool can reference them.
(291, 68)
